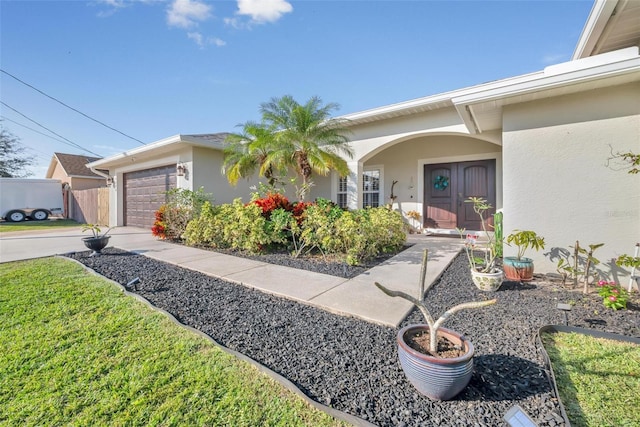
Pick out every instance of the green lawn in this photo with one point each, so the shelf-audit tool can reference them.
(36, 225)
(77, 351)
(598, 380)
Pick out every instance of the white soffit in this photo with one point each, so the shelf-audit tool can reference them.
(612, 25)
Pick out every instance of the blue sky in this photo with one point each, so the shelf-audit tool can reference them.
(152, 68)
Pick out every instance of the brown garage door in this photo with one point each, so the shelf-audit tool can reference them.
(144, 194)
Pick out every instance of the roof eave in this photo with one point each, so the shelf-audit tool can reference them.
(551, 79)
(434, 102)
(172, 140)
(52, 165)
(594, 27)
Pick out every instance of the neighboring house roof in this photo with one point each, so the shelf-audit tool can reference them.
(208, 140)
(73, 165)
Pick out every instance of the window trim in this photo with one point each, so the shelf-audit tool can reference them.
(380, 170)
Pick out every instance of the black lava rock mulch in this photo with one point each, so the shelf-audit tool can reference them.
(352, 365)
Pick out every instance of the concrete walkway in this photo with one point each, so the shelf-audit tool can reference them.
(356, 297)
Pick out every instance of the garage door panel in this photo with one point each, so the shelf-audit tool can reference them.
(144, 194)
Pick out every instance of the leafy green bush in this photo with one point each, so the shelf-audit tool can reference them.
(202, 231)
(322, 226)
(234, 226)
(359, 235)
(318, 228)
(181, 206)
(284, 229)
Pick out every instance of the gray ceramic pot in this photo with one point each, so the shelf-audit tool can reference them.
(436, 378)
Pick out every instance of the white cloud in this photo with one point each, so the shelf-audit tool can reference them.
(186, 13)
(234, 22)
(112, 7)
(202, 41)
(263, 10)
(114, 3)
(196, 37)
(216, 41)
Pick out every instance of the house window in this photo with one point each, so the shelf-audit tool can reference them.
(371, 188)
(342, 192)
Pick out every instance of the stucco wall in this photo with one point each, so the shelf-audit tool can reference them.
(556, 178)
(58, 173)
(207, 173)
(370, 138)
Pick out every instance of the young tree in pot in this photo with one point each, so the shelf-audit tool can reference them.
(520, 268)
(434, 371)
(484, 271)
(97, 242)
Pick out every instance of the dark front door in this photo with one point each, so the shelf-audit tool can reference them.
(448, 185)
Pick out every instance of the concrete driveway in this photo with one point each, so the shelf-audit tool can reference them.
(20, 245)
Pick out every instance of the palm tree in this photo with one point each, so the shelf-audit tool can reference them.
(254, 148)
(307, 138)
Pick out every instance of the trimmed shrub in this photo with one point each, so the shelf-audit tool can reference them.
(181, 206)
(356, 235)
(234, 226)
(203, 230)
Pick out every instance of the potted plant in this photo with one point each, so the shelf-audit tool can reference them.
(437, 361)
(519, 267)
(415, 218)
(484, 271)
(97, 242)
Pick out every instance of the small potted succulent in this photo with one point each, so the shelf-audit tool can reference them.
(484, 271)
(520, 268)
(96, 242)
(437, 361)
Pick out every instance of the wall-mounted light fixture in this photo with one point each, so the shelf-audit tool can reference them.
(109, 181)
(181, 169)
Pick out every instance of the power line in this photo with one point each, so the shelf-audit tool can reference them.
(71, 108)
(31, 129)
(69, 142)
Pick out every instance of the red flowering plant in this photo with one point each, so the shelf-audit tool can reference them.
(299, 209)
(271, 202)
(613, 295)
(159, 227)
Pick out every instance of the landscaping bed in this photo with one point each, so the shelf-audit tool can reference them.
(329, 264)
(352, 365)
